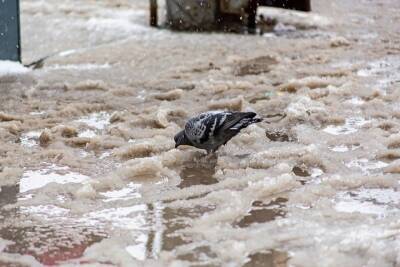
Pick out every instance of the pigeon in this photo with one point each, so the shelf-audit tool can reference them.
(210, 130)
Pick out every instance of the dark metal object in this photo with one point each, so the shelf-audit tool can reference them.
(225, 15)
(192, 15)
(10, 44)
(153, 13)
(301, 5)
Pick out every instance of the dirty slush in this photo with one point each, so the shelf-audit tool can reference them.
(89, 173)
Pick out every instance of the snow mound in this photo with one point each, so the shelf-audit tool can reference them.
(8, 68)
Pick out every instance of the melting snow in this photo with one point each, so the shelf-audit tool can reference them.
(351, 126)
(79, 67)
(126, 193)
(11, 68)
(366, 165)
(96, 120)
(370, 201)
(30, 139)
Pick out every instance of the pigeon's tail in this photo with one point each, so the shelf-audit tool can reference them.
(255, 120)
(250, 118)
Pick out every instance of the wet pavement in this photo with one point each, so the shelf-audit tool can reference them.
(88, 170)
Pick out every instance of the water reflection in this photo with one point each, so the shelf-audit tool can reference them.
(8, 194)
(60, 236)
(178, 219)
(198, 174)
(49, 244)
(261, 212)
(268, 259)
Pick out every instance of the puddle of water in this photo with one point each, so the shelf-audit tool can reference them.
(367, 166)
(300, 171)
(196, 174)
(261, 213)
(268, 259)
(176, 220)
(378, 201)
(129, 192)
(34, 179)
(8, 194)
(30, 139)
(277, 136)
(137, 219)
(50, 245)
(351, 125)
(64, 237)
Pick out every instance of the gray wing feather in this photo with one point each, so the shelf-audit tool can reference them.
(204, 125)
(235, 121)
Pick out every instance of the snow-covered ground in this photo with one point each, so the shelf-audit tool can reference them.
(88, 170)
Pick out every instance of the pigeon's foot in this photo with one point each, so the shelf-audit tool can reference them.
(211, 156)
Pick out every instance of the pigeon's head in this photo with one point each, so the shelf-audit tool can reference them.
(181, 139)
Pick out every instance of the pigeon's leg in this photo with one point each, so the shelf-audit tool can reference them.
(210, 154)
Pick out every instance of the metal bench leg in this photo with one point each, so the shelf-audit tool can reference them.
(252, 13)
(153, 13)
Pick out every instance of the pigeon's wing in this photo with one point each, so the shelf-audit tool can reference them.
(200, 128)
(236, 121)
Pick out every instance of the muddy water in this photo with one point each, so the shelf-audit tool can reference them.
(89, 173)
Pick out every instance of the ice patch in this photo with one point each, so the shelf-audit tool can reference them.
(138, 251)
(386, 71)
(114, 25)
(316, 172)
(105, 155)
(11, 68)
(96, 120)
(379, 201)
(87, 134)
(37, 113)
(79, 67)
(356, 101)
(351, 126)
(45, 211)
(130, 192)
(141, 95)
(366, 165)
(340, 148)
(343, 148)
(34, 179)
(83, 153)
(67, 52)
(131, 218)
(30, 139)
